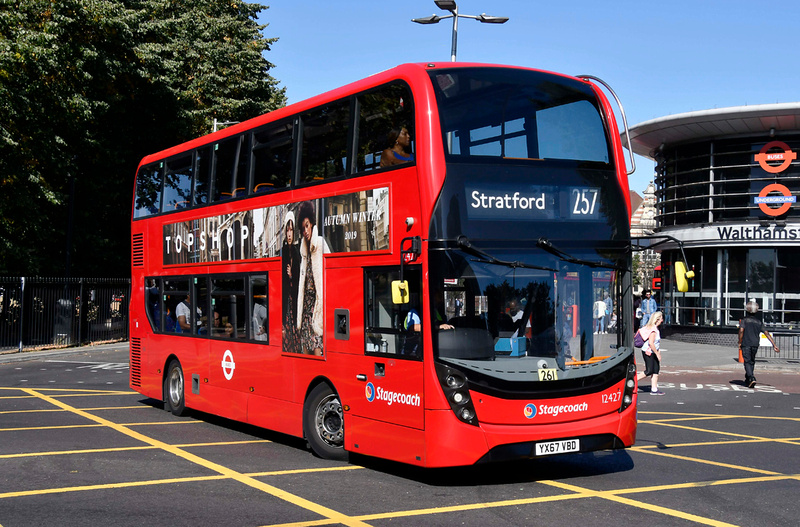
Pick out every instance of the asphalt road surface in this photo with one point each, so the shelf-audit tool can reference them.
(78, 447)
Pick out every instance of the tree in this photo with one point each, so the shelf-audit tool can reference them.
(636, 270)
(87, 88)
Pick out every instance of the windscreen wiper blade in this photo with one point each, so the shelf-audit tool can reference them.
(547, 246)
(465, 245)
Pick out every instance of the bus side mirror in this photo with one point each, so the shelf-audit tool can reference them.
(400, 291)
(681, 276)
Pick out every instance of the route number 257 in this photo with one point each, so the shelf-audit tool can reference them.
(584, 201)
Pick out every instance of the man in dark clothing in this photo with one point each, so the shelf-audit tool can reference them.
(750, 329)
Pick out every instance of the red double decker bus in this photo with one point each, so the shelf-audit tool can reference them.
(408, 267)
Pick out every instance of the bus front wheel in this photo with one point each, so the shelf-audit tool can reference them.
(323, 422)
(174, 397)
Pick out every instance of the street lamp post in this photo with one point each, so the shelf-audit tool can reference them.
(450, 5)
(218, 124)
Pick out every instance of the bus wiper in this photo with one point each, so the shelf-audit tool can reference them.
(465, 245)
(545, 245)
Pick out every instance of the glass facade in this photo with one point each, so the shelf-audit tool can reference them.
(713, 181)
(710, 194)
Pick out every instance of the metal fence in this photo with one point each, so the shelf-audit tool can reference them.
(42, 313)
(788, 343)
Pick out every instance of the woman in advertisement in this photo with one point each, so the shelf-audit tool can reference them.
(309, 301)
(290, 272)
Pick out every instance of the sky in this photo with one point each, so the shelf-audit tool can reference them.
(661, 57)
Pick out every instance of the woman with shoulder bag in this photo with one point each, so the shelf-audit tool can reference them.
(650, 337)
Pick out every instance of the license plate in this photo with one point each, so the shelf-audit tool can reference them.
(558, 447)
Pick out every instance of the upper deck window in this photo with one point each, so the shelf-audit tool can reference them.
(148, 190)
(518, 114)
(230, 168)
(383, 114)
(325, 132)
(202, 174)
(178, 183)
(272, 157)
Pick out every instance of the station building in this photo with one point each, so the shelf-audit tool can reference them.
(726, 182)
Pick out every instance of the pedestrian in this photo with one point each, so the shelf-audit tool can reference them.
(750, 329)
(609, 309)
(599, 315)
(648, 306)
(651, 351)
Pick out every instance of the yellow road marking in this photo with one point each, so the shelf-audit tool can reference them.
(577, 492)
(98, 425)
(633, 503)
(334, 517)
(439, 510)
(220, 469)
(188, 479)
(125, 449)
(721, 417)
(87, 391)
(713, 443)
(59, 410)
(708, 462)
(720, 432)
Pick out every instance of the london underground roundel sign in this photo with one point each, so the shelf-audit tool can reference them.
(784, 158)
(785, 199)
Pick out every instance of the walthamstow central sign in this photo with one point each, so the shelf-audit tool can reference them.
(749, 234)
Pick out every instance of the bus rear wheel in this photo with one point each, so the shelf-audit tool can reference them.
(323, 422)
(174, 396)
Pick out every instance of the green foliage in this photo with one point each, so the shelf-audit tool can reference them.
(636, 270)
(87, 88)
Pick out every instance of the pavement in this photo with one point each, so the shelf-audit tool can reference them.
(675, 353)
(16, 356)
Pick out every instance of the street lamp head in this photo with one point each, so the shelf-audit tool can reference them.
(433, 19)
(447, 5)
(488, 19)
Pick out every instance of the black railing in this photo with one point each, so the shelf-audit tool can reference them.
(41, 313)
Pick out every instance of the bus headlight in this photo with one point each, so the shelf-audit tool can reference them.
(454, 381)
(460, 398)
(630, 384)
(454, 385)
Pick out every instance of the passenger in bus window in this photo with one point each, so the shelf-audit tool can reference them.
(438, 318)
(153, 302)
(184, 314)
(259, 318)
(309, 300)
(410, 340)
(399, 146)
(290, 274)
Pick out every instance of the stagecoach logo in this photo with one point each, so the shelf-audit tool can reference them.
(228, 365)
(530, 410)
(372, 393)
